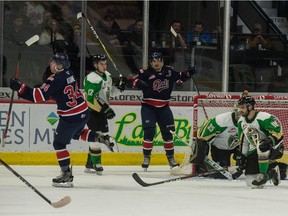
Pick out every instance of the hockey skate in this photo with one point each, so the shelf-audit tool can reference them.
(260, 182)
(172, 162)
(107, 140)
(98, 169)
(65, 179)
(146, 163)
(89, 166)
(275, 175)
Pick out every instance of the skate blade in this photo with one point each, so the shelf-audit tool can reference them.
(99, 173)
(173, 167)
(63, 185)
(257, 187)
(88, 170)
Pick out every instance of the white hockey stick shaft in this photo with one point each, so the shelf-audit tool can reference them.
(64, 201)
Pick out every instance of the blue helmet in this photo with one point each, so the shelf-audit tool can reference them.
(99, 57)
(156, 55)
(61, 58)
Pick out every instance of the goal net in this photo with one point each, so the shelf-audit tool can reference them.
(211, 105)
(208, 106)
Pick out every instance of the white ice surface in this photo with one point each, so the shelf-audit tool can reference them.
(117, 194)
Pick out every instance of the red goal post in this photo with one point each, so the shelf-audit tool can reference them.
(212, 104)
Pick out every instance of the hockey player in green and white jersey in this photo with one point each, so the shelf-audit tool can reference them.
(98, 87)
(260, 138)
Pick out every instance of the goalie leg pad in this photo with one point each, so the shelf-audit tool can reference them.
(200, 152)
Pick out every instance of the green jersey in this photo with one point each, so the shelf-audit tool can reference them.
(219, 131)
(97, 86)
(265, 124)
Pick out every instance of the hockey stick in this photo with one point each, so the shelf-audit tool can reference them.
(64, 201)
(28, 43)
(80, 15)
(174, 33)
(212, 163)
(137, 178)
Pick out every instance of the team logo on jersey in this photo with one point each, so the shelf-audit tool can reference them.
(159, 85)
(70, 79)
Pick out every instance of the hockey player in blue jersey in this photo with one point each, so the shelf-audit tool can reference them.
(156, 83)
(72, 109)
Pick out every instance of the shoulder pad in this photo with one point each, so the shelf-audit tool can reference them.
(94, 77)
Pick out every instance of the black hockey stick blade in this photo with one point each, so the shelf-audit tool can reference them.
(137, 178)
(63, 202)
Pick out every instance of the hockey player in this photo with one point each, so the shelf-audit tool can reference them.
(156, 83)
(98, 89)
(260, 138)
(220, 133)
(71, 108)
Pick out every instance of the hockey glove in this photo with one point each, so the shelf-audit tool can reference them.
(106, 140)
(108, 111)
(240, 159)
(265, 144)
(122, 81)
(191, 71)
(18, 86)
(134, 82)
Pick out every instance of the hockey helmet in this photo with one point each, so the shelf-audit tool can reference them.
(61, 58)
(99, 57)
(246, 100)
(156, 55)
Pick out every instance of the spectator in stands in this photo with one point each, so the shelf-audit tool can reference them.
(35, 13)
(110, 30)
(200, 34)
(257, 40)
(133, 49)
(170, 40)
(77, 33)
(17, 32)
(136, 36)
(50, 34)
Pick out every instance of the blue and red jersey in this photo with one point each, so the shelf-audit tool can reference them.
(61, 87)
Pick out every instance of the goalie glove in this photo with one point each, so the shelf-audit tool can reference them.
(265, 144)
(106, 140)
(106, 109)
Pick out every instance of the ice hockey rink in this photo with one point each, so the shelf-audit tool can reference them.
(115, 193)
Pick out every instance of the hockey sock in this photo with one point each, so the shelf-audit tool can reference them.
(147, 148)
(169, 148)
(95, 155)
